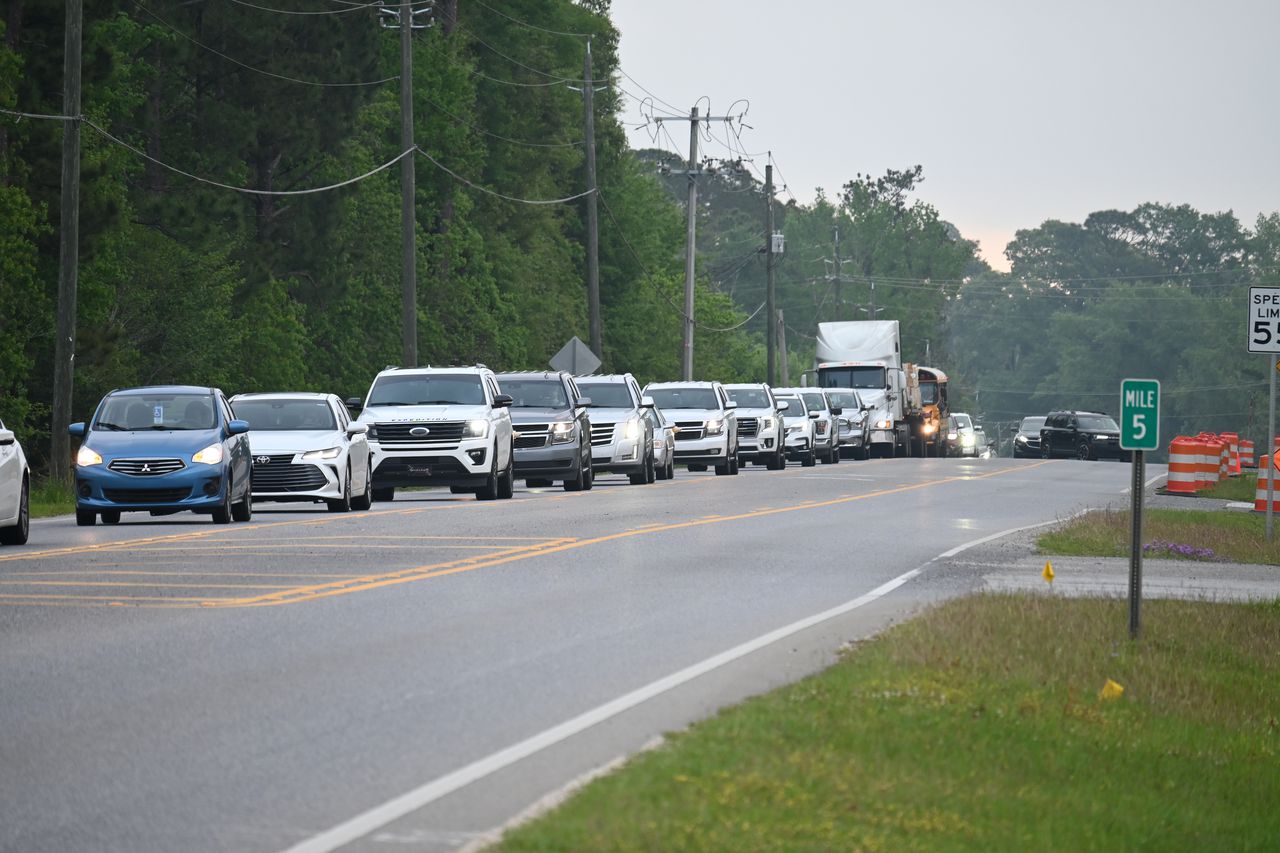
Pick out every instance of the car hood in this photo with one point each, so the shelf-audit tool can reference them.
(678, 415)
(530, 415)
(603, 415)
(416, 414)
(292, 440)
(151, 443)
(755, 413)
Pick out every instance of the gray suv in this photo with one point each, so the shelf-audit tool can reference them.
(551, 428)
(621, 436)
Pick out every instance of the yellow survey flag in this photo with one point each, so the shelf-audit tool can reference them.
(1047, 574)
(1111, 690)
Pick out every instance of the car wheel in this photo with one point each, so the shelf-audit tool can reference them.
(342, 504)
(86, 517)
(579, 480)
(222, 513)
(810, 459)
(1084, 452)
(1045, 451)
(671, 468)
(489, 491)
(385, 494)
(589, 477)
(111, 516)
(661, 473)
(243, 511)
(364, 500)
(734, 465)
(507, 482)
(722, 470)
(17, 534)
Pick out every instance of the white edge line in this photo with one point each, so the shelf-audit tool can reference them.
(379, 816)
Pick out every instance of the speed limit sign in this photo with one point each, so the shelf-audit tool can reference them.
(1264, 319)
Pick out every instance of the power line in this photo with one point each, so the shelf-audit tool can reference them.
(350, 7)
(497, 194)
(529, 25)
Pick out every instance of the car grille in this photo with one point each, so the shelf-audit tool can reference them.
(146, 467)
(748, 426)
(441, 435)
(532, 435)
(280, 475)
(145, 496)
(690, 430)
(601, 434)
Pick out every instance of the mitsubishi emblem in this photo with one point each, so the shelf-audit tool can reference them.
(146, 467)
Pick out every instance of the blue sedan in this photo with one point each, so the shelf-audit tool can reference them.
(163, 449)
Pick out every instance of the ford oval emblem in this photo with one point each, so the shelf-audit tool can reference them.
(419, 432)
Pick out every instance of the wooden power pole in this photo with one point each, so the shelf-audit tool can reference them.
(593, 220)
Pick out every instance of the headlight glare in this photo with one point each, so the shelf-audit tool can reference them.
(476, 428)
(631, 429)
(211, 455)
(884, 423)
(86, 457)
(562, 432)
(318, 455)
(715, 426)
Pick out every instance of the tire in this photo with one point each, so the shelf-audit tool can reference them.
(384, 494)
(671, 469)
(590, 476)
(722, 470)
(650, 472)
(733, 465)
(111, 516)
(826, 458)
(364, 500)
(1045, 451)
(810, 459)
(222, 513)
(342, 504)
(243, 511)
(579, 481)
(17, 534)
(1084, 452)
(507, 482)
(86, 517)
(489, 491)
(661, 473)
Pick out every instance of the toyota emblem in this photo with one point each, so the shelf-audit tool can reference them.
(419, 432)
(263, 460)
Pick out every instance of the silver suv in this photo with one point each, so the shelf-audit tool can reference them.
(706, 423)
(760, 427)
(552, 430)
(621, 436)
(439, 426)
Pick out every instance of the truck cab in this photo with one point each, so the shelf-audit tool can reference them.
(881, 386)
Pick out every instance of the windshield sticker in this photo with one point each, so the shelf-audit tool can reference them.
(157, 415)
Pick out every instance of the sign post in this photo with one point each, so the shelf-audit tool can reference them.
(1264, 336)
(1139, 432)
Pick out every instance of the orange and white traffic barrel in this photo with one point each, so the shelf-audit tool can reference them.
(1260, 494)
(1224, 460)
(1183, 465)
(1233, 447)
(1210, 460)
(1246, 454)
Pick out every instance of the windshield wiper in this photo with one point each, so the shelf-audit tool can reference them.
(443, 403)
(110, 426)
(390, 403)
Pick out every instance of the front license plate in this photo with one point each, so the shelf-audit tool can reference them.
(420, 470)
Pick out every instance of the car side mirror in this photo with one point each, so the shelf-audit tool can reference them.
(783, 405)
(730, 405)
(77, 429)
(647, 403)
(501, 401)
(237, 427)
(355, 404)
(584, 401)
(837, 410)
(357, 428)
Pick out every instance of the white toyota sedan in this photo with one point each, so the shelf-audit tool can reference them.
(15, 490)
(306, 448)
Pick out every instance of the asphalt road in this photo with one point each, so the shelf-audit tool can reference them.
(414, 676)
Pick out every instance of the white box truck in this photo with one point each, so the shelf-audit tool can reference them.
(867, 355)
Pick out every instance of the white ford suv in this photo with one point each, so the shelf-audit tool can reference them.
(706, 423)
(439, 426)
(760, 428)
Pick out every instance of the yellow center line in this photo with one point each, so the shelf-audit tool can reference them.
(149, 585)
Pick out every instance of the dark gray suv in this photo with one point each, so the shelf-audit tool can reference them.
(551, 428)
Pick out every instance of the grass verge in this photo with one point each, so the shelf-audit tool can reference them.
(977, 726)
(1242, 488)
(49, 497)
(1238, 537)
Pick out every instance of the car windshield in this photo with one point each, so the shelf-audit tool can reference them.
(1098, 422)
(1032, 425)
(285, 414)
(815, 402)
(536, 393)
(795, 408)
(843, 399)
(685, 398)
(851, 377)
(136, 412)
(961, 422)
(607, 395)
(438, 389)
(749, 398)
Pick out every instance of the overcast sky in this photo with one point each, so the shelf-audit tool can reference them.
(1019, 111)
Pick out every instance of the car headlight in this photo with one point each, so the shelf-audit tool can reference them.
(967, 439)
(715, 426)
(795, 428)
(766, 423)
(952, 436)
(930, 429)
(318, 455)
(884, 423)
(477, 428)
(1021, 439)
(562, 432)
(631, 429)
(86, 457)
(211, 455)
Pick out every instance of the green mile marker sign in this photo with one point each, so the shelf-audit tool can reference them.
(1140, 414)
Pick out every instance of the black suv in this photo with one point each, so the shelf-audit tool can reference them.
(551, 428)
(1085, 435)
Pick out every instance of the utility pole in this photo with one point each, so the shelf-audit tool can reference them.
(839, 271)
(770, 297)
(782, 346)
(691, 228)
(69, 247)
(593, 221)
(408, 221)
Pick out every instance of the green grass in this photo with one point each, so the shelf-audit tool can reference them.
(977, 726)
(51, 498)
(1242, 488)
(1238, 537)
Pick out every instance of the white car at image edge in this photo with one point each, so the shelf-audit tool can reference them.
(15, 490)
(306, 448)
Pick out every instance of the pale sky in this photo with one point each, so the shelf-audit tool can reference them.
(1019, 110)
